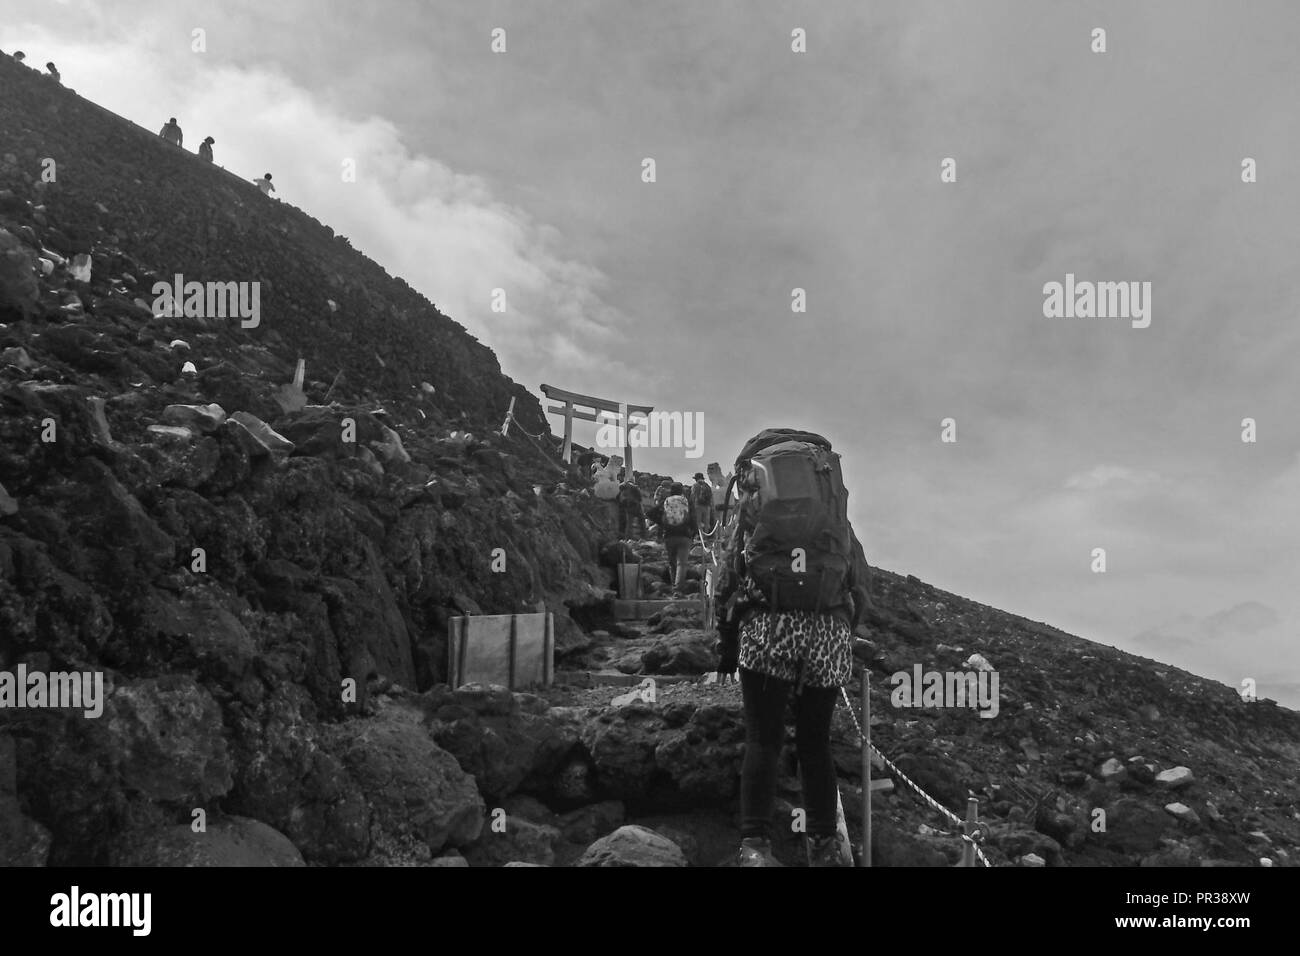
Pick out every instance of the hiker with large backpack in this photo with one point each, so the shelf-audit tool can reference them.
(794, 584)
(678, 523)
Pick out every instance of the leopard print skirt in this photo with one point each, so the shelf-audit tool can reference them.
(798, 646)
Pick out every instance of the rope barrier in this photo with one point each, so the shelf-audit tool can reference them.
(544, 453)
(514, 421)
(972, 839)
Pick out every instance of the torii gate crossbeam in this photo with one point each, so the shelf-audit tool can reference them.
(597, 405)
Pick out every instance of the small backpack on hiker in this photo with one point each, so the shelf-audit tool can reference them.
(676, 515)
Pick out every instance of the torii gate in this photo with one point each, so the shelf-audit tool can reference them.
(597, 405)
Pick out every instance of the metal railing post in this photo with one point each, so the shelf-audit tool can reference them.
(866, 768)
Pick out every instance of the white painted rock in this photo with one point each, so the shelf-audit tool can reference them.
(81, 267)
(177, 433)
(1112, 769)
(204, 418)
(1174, 779)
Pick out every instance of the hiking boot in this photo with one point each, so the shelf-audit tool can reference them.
(823, 851)
(756, 851)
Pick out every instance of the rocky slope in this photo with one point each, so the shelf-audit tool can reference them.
(230, 551)
(227, 550)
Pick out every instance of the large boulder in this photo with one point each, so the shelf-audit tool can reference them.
(197, 629)
(516, 839)
(287, 776)
(686, 651)
(230, 841)
(668, 757)
(157, 749)
(501, 738)
(1134, 826)
(416, 788)
(632, 845)
(23, 841)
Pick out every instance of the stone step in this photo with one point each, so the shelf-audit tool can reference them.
(640, 610)
(617, 679)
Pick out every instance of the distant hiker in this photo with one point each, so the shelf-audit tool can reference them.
(53, 72)
(264, 184)
(629, 508)
(678, 523)
(656, 512)
(205, 149)
(19, 55)
(789, 627)
(702, 501)
(172, 133)
(663, 491)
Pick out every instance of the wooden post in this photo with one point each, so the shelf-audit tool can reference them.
(567, 452)
(548, 649)
(510, 413)
(866, 767)
(969, 827)
(627, 437)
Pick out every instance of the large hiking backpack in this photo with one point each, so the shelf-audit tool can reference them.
(799, 546)
(677, 512)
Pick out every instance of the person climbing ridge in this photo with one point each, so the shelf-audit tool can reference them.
(786, 623)
(205, 149)
(265, 185)
(172, 133)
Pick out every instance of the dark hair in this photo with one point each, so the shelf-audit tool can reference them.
(699, 476)
(49, 66)
(172, 120)
(676, 488)
(268, 175)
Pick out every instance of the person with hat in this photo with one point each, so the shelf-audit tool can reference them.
(702, 502)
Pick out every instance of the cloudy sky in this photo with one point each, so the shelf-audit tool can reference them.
(779, 170)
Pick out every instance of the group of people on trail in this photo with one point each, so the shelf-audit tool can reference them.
(171, 132)
(50, 69)
(677, 515)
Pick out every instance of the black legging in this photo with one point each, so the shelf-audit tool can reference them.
(765, 700)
